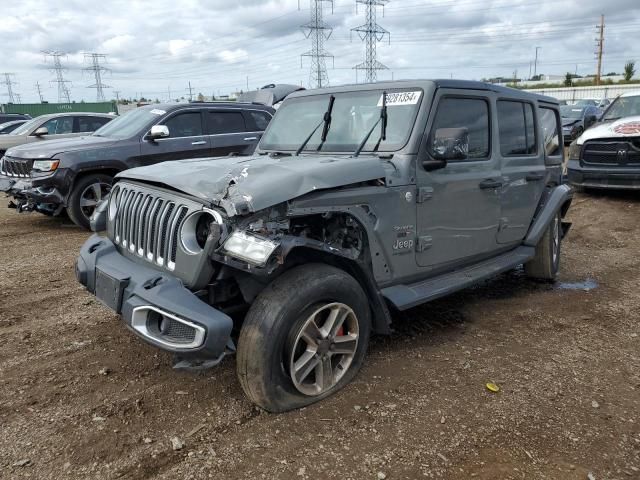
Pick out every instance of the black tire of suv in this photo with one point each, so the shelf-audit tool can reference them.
(277, 315)
(544, 266)
(73, 204)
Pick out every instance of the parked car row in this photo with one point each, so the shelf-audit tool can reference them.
(289, 241)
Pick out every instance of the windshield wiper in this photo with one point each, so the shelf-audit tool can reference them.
(383, 129)
(326, 121)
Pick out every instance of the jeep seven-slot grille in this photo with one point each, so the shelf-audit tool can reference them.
(14, 167)
(147, 225)
(619, 153)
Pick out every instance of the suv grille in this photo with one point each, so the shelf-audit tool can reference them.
(146, 224)
(613, 152)
(14, 167)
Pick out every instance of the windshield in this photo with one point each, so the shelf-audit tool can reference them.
(623, 107)
(131, 123)
(25, 127)
(567, 111)
(353, 115)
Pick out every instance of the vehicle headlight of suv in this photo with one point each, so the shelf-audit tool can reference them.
(200, 227)
(250, 248)
(45, 165)
(574, 150)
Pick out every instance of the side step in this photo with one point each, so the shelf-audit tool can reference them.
(407, 296)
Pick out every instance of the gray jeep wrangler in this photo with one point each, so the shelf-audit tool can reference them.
(359, 201)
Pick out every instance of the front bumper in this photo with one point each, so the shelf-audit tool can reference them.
(46, 190)
(606, 178)
(145, 296)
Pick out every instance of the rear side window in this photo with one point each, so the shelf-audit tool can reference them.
(226, 122)
(470, 113)
(187, 124)
(549, 122)
(261, 119)
(90, 124)
(59, 125)
(516, 128)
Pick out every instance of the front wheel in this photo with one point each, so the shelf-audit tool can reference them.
(87, 192)
(304, 338)
(546, 262)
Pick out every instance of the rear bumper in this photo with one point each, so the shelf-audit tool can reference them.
(612, 178)
(144, 297)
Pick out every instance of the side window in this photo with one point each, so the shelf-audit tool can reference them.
(90, 124)
(187, 124)
(261, 119)
(549, 122)
(59, 125)
(225, 122)
(516, 128)
(469, 113)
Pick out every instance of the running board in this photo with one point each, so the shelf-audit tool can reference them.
(407, 296)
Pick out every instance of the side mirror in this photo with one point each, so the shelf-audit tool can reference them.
(40, 131)
(159, 131)
(447, 144)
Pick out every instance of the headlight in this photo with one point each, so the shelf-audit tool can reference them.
(250, 248)
(198, 228)
(45, 165)
(574, 150)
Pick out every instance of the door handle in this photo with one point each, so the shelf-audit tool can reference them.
(250, 138)
(201, 142)
(534, 177)
(490, 183)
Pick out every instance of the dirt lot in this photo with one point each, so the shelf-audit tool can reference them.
(80, 397)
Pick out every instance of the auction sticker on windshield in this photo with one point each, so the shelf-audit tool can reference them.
(157, 111)
(401, 98)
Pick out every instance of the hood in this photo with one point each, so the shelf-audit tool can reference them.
(50, 148)
(569, 121)
(624, 127)
(242, 185)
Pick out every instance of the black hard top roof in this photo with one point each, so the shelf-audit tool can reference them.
(173, 106)
(439, 83)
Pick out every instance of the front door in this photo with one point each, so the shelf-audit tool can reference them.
(186, 139)
(459, 205)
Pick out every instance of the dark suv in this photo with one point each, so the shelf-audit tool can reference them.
(76, 173)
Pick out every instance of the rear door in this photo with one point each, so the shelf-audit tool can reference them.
(233, 131)
(186, 139)
(459, 205)
(522, 167)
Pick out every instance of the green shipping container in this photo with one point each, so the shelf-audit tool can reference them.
(37, 109)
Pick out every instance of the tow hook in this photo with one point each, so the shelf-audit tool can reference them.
(25, 207)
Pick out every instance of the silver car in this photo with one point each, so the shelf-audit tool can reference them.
(49, 127)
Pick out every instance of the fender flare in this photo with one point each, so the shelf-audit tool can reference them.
(556, 199)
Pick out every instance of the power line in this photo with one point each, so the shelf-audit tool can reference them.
(190, 90)
(318, 31)
(97, 70)
(600, 47)
(9, 83)
(371, 33)
(63, 90)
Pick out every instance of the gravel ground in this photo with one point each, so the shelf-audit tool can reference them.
(80, 397)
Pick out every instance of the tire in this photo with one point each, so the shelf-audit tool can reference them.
(546, 262)
(82, 201)
(272, 341)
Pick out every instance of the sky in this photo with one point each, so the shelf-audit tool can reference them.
(154, 49)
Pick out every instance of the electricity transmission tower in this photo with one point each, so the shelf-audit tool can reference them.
(97, 70)
(9, 83)
(371, 33)
(63, 90)
(39, 92)
(318, 32)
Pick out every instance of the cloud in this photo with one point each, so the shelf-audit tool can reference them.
(216, 44)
